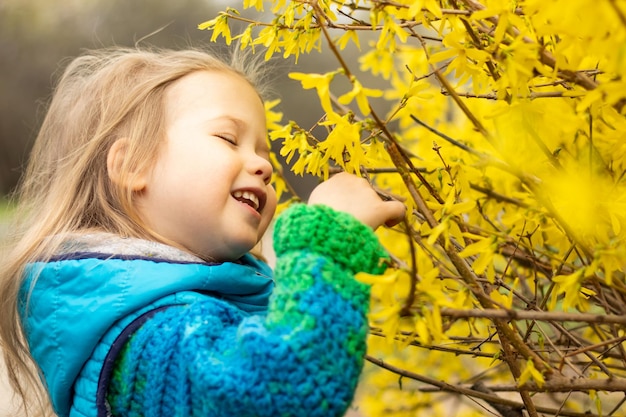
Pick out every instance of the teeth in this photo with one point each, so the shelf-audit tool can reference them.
(248, 198)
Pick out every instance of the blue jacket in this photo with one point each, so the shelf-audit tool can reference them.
(86, 297)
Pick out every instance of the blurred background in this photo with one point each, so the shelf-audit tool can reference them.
(38, 36)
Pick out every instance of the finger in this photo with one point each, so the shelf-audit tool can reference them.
(387, 196)
(395, 211)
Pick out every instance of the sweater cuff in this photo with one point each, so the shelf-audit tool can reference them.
(333, 234)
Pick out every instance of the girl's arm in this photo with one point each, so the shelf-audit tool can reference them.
(303, 358)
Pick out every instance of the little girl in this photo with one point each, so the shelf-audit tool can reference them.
(130, 285)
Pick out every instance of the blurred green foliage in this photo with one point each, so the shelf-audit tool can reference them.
(5, 209)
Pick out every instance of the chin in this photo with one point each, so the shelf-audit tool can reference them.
(236, 251)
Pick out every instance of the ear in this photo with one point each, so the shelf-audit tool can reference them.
(136, 181)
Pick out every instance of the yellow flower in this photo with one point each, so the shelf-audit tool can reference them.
(530, 373)
(431, 5)
(571, 286)
(273, 117)
(348, 35)
(390, 31)
(270, 38)
(505, 11)
(257, 4)
(466, 60)
(378, 61)
(292, 143)
(321, 83)
(219, 25)
(361, 94)
(245, 38)
(277, 5)
(343, 144)
(480, 246)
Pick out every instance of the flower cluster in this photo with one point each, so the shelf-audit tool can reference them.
(503, 132)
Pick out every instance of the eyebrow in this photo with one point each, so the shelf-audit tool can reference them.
(240, 123)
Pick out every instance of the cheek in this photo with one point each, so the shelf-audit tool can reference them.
(270, 208)
(271, 201)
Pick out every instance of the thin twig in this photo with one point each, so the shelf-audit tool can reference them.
(446, 387)
(493, 96)
(410, 299)
(534, 315)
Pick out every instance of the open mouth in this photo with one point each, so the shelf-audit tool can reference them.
(249, 198)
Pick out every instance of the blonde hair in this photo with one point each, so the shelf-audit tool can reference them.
(102, 96)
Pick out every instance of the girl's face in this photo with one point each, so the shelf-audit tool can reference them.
(209, 190)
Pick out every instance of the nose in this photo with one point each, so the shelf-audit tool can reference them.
(261, 166)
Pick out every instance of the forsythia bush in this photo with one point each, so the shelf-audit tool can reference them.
(505, 136)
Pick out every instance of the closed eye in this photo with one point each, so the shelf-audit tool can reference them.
(227, 138)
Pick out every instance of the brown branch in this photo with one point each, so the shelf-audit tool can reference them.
(410, 299)
(615, 340)
(498, 197)
(402, 338)
(397, 159)
(504, 410)
(404, 164)
(448, 138)
(404, 6)
(534, 315)
(510, 357)
(567, 385)
(457, 389)
(493, 96)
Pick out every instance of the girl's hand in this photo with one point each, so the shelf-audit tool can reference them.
(354, 195)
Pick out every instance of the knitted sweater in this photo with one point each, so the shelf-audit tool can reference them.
(209, 357)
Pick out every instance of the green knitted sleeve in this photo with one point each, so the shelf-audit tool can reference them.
(330, 233)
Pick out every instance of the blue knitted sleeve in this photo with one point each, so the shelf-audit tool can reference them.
(302, 359)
